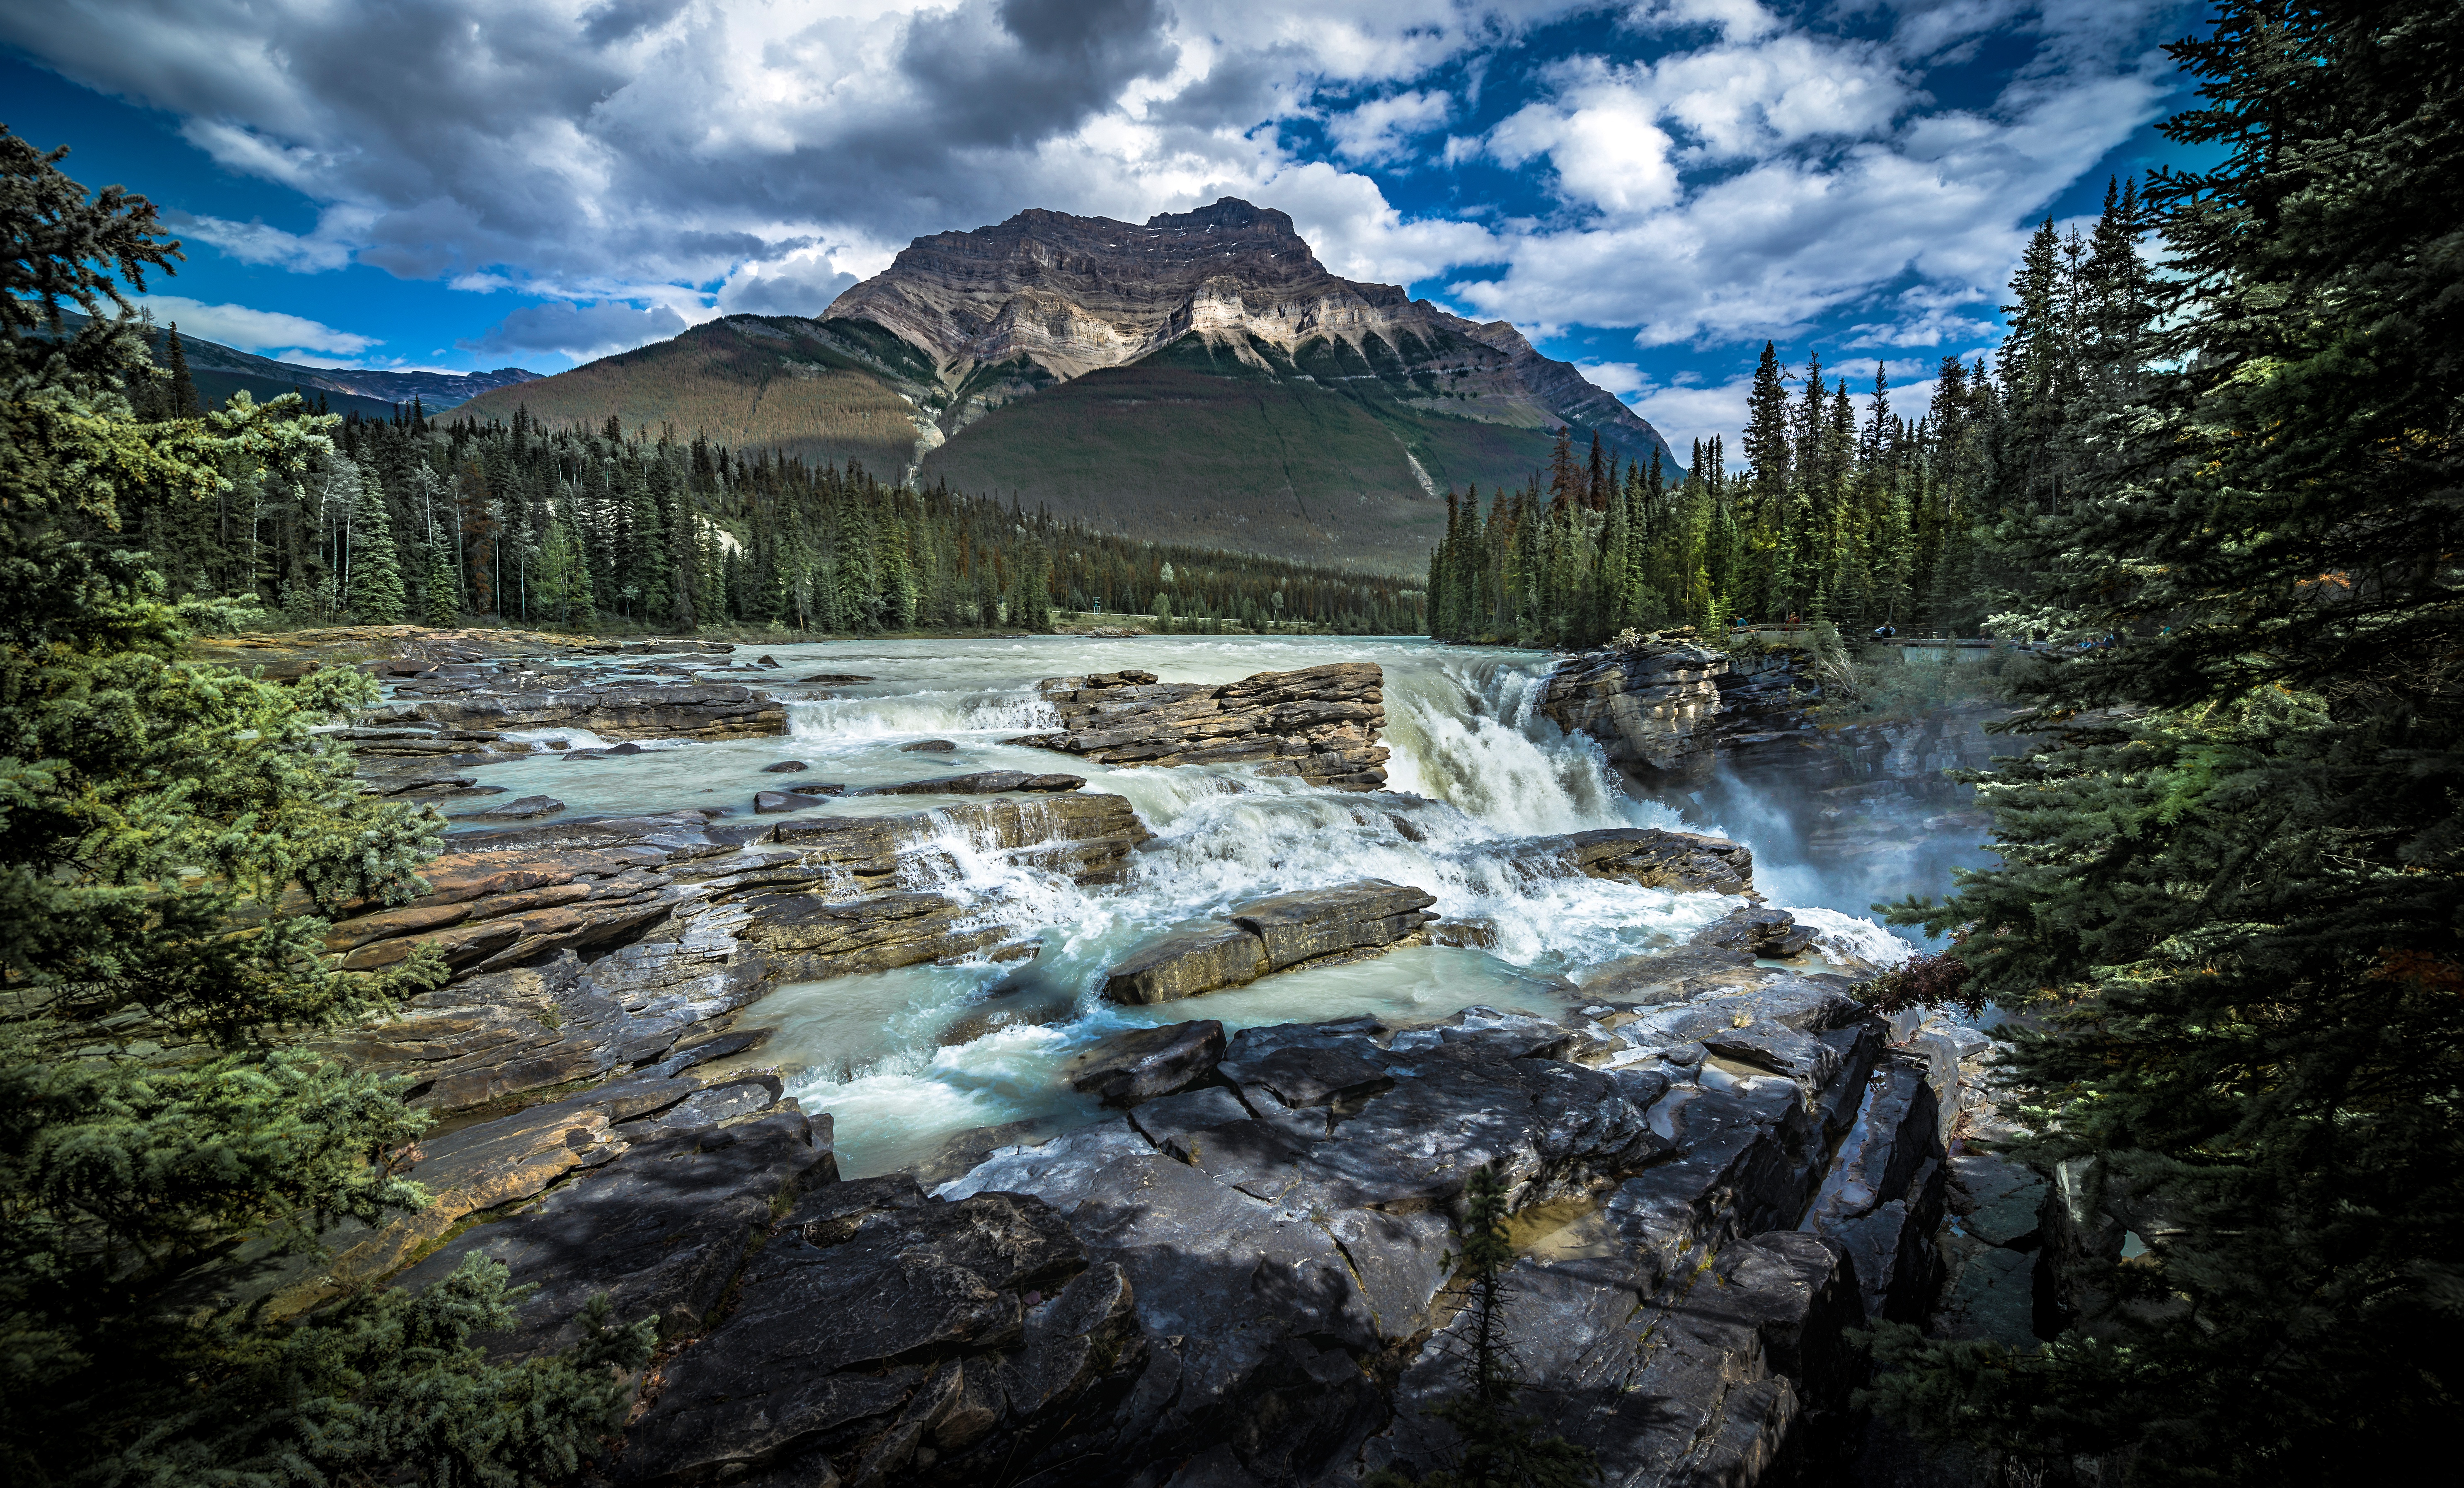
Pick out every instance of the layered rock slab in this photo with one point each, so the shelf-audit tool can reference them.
(1271, 934)
(580, 945)
(615, 711)
(1320, 723)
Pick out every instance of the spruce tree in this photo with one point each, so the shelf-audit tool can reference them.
(149, 803)
(1499, 1447)
(442, 592)
(376, 569)
(2234, 864)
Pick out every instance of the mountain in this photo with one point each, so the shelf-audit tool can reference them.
(1200, 379)
(220, 371)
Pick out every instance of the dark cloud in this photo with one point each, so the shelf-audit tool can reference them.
(618, 19)
(1017, 71)
(577, 329)
(797, 287)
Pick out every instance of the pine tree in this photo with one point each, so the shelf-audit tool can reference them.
(183, 387)
(375, 595)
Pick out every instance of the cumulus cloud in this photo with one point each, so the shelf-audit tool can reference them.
(251, 330)
(1752, 173)
(1382, 129)
(802, 284)
(581, 332)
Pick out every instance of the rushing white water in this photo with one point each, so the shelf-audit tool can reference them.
(907, 1060)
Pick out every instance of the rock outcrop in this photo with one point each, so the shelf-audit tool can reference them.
(1246, 1276)
(1320, 723)
(585, 944)
(1272, 935)
(614, 710)
(1652, 707)
(1652, 857)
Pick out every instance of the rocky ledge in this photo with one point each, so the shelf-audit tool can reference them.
(1320, 723)
(1244, 1277)
(515, 696)
(581, 945)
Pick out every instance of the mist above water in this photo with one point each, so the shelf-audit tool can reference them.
(907, 1060)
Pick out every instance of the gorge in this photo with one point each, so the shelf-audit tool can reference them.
(1012, 1050)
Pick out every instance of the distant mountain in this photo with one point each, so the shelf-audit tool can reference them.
(1200, 379)
(220, 371)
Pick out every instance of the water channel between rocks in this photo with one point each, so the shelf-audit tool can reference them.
(906, 1059)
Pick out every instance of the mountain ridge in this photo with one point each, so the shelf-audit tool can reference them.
(219, 370)
(1200, 377)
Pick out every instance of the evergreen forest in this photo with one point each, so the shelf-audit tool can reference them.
(1843, 510)
(437, 521)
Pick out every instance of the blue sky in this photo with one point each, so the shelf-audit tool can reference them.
(1649, 189)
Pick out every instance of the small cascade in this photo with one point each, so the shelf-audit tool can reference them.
(908, 715)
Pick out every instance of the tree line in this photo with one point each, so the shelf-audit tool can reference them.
(443, 521)
(1843, 510)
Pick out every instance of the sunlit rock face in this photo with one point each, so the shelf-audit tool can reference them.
(1046, 296)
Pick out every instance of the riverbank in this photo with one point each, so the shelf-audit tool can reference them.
(830, 962)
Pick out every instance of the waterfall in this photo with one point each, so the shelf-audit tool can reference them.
(906, 1058)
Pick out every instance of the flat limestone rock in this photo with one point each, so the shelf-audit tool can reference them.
(1186, 963)
(1320, 723)
(1144, 1064)
(612, 710)
(521, 808)
(983, 782)
(1313, 922)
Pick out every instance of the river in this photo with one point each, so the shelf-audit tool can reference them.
(907, 1060)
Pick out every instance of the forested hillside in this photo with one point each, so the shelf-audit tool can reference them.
(406, 520)
(1846, 509)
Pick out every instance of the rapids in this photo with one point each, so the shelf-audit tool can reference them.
(905, 1061)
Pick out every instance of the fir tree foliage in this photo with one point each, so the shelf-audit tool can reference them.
(2232, 866)
(147, 806)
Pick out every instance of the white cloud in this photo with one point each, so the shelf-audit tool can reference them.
(328, 248)
(1382, 129)
(251, 330)
(691, 156)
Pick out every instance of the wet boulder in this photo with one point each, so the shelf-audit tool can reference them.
(1670, 976)
(1759, 930)
(787, 767)
(1186, 963)
(1309, 925)
(1143, 1063)
(521, 808)
(929, 747)
(771, 803)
